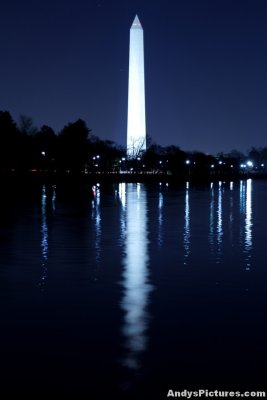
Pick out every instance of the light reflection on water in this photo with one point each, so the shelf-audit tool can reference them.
(54, 198)
(44, 237)
(186, 225)
(134, 204)
(48, 201)
(96, 218)
(219, 224)
(135, 276)
(227, 207)
(198, 227)
(216, 221)
(242, 195)
(231, 212)
(211, 218)
(248, 224)
(160, 218)
(246, 219)
(222, 214)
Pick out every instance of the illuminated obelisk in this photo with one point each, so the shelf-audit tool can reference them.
(136, 125)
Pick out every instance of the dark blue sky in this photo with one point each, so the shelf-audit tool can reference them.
(205, 66)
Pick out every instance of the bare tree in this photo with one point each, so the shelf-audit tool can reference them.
(26, 126)
(137, 147)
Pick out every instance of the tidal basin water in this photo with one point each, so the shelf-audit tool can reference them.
(133, 290)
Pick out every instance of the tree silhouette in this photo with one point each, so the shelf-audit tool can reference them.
(45, 145)
(136, 149)
(75, 150)
(73, 146)
(105, 155)
(26, 126)
(10, 143)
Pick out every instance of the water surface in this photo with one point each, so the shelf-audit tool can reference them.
(133, 290)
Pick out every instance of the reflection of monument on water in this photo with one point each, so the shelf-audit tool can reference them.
(135, 277)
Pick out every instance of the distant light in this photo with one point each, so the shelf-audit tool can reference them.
(249, 163)
(262, 165)
(242, 165)
(231, 166)
(97, 156)
(212, 166)
(220, 162)
(43, 153)
(187, 162)
(138, 158)
(123, 159)
(160, 162)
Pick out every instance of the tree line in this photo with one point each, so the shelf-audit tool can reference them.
(25, 148)
(76, 150)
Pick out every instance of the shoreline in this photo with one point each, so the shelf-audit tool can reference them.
(52, 178)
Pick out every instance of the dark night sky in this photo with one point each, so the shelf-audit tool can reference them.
(205, 66)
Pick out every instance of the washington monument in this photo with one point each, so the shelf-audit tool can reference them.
(136, 124)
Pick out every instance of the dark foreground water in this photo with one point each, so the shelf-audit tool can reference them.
(133, 291)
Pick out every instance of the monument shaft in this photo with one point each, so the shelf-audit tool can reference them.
(136, 125)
